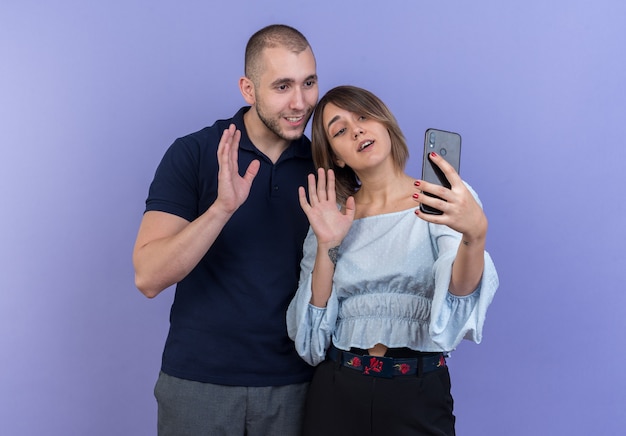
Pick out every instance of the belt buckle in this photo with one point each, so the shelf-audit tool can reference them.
(378, 366)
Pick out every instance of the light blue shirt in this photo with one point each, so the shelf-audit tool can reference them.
(390, 287)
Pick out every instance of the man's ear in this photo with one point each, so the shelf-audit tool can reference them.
(247, 90)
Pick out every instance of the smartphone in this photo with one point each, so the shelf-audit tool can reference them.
(447, 145)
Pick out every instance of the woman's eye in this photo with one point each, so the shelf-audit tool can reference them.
(339, 132)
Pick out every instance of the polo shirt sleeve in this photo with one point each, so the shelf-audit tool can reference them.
(175, 186)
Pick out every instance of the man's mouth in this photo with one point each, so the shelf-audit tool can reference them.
(295, 120)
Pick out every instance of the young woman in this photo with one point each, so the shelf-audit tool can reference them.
(385, 290)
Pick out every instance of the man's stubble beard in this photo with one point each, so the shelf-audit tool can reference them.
(274, 126)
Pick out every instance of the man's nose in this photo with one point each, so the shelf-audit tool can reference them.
(297, 99)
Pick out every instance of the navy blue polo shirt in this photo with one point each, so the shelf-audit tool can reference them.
(227, 322)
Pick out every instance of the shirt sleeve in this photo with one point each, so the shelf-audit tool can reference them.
(174, 187)
(310, 327)
(454, 318)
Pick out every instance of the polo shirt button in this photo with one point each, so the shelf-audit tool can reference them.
(275, 187)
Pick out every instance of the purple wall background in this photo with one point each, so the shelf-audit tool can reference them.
(92, 94)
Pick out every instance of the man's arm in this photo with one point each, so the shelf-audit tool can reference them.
(168, 247)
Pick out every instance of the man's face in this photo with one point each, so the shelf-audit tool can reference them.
(286, 91)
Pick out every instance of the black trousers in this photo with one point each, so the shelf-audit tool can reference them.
(344, 402)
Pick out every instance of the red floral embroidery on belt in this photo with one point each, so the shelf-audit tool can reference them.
(355, 361)
(403, 368)
(375, 365)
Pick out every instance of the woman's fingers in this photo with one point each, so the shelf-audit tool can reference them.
(312, 189)
(323, 188)
(448, 170)
(304, 204)
(322, 195)
(331, 195)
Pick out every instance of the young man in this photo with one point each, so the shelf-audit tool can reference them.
(223, 223)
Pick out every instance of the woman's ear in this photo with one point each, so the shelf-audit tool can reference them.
(340, 163)
(247, 90)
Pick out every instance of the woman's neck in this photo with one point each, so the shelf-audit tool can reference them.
(384, 193)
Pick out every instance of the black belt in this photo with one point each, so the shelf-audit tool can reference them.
(381, 366)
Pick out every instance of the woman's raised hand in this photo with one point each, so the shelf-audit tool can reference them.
(329, 223)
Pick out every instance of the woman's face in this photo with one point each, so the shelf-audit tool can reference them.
(356, 140)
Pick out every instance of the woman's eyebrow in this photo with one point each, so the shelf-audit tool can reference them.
(335, 118)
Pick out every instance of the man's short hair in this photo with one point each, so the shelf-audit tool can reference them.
(275, 35)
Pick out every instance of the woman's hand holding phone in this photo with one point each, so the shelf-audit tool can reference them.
(460, 210)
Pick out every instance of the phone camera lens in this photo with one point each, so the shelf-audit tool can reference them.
(443, 152)
(431, 139)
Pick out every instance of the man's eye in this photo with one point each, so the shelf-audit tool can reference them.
(309, 83)
(282, 87)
